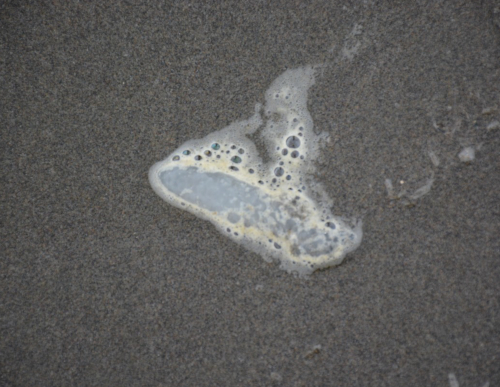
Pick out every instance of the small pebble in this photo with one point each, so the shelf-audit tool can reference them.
(434, 158)
(493, 125)
(276, 377)
(467, 154)
(488, 110)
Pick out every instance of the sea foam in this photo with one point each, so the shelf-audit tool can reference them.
(270, 207)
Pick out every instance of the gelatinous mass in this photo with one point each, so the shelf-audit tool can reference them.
(271, 208)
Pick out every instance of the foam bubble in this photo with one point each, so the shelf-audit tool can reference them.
(263, 206)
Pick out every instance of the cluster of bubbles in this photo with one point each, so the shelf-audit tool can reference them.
(236, 154)
(216, 147)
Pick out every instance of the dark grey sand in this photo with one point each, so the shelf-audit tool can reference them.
(103, 284)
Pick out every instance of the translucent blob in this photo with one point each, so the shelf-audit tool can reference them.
(233, 218)
(279, 220)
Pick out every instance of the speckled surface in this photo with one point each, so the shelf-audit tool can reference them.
(104, 284)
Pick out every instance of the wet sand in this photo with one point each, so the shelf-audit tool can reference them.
(103, 283)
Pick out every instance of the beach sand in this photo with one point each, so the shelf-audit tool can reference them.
(103, 283)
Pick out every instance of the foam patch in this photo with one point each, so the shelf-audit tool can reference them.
(271, 208)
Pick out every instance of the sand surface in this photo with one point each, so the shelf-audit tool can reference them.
(104, 284)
